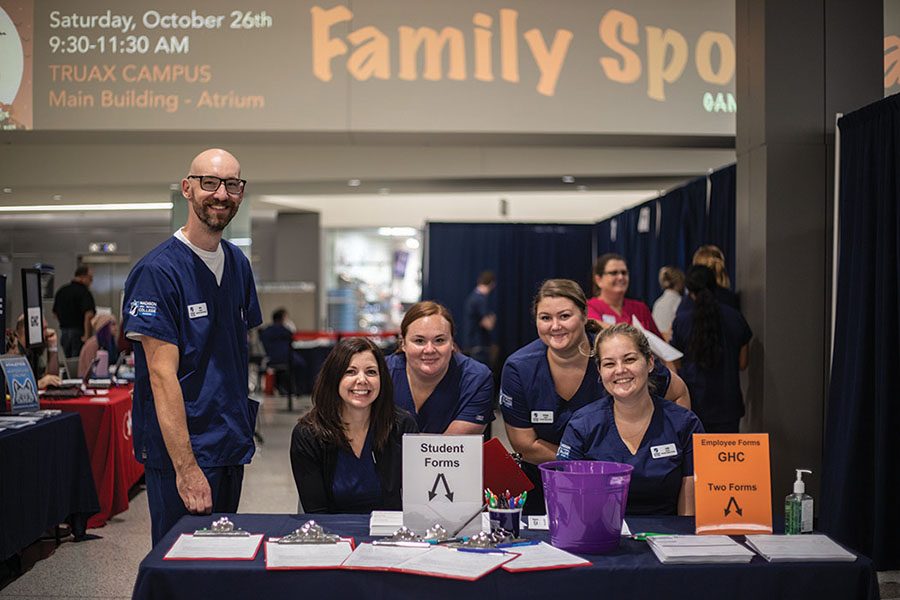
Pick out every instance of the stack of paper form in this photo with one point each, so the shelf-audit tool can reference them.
(789, 548)
(683, 549)
(385, 522)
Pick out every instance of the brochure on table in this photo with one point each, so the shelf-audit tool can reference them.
(442, 482)
(23, 390)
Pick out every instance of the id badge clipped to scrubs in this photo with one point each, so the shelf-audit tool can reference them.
(542, 416)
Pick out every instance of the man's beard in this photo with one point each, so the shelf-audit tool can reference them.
(212, 221)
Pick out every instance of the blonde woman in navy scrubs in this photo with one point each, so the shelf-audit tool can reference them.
(447, 391)
(636, 427)
(346, 452)
(545, 382)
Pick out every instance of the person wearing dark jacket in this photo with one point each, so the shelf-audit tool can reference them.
(346, 452)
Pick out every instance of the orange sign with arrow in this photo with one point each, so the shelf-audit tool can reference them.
(732, 483)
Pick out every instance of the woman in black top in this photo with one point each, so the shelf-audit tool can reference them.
(346, 452)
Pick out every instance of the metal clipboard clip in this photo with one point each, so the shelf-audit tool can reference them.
(309, 533)
(221, 528)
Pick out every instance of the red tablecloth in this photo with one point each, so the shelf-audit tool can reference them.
(107, 430)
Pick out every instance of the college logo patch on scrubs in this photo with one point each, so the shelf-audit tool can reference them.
(505, 400)
(542, 416)
(563, 451)
(663, 451)
(197, 310)
(142, 308)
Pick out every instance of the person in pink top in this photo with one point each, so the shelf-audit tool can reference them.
(610, 306)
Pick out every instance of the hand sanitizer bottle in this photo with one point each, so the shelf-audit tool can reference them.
(798, 508)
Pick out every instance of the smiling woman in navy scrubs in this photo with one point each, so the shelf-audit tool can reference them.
(346, 452)
(635, 427)
(447, 391)
(545, 382)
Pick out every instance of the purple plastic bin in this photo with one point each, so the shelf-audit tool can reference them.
(586, 503)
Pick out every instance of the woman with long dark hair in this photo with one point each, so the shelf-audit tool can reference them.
(715, 340)
(346, 451)
(546, 381)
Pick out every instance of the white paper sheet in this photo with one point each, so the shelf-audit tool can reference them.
(385, 522)
(367, 556)
(222, 548)
(306, 556)
(542, 556)
(658, 346)
(789, 548)
(691, 549)
(449, 562)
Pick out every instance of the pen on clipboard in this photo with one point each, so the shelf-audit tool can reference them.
(482, 550)
(519, 543)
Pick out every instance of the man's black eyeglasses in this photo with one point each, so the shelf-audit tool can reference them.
(211, 183)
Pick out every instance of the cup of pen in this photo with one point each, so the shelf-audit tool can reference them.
(504, 510)
(505, 518)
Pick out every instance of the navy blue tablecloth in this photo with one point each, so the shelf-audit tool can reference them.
(632, 572)
(45, 480)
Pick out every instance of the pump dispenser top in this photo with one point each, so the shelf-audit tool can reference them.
(799, 485)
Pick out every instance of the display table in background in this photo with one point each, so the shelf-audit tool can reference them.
(631, 572)
(314, 347)
(107, 430)
(45, 480)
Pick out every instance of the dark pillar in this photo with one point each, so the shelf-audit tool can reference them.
(799, 63)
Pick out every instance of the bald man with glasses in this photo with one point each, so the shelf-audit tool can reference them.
(189, 305)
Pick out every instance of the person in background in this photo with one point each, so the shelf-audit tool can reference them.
(712, 257)
(276, 340)
(610, 306)
(189, 306)
(445, 390)
(106, 332)
(44, 359)
(636, 427)
(74, 308)
(715, 339)
(346, 452)
(479, 321)
(671, 280)
(546, 381)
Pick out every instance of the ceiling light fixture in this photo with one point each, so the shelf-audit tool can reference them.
(354, 182)
(568, 179)
(87, 207)
(397, 231)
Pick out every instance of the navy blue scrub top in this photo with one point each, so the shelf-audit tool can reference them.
(464, 394)
(715, 393)
(528, 395)
(171, 295)
(664, 458)
(356, 488)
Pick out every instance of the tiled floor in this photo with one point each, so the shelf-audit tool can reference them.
(107, 567)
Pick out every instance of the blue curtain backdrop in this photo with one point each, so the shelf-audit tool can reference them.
(861, 468)
(641, 251)
(721, 220)
(521, 255)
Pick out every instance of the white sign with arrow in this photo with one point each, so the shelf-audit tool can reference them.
(442, 481)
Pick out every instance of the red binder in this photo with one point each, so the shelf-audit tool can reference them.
(501, 472)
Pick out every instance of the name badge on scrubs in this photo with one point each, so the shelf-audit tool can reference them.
(663, 451)
(542, 416)
(609, 319)
(197, 310)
